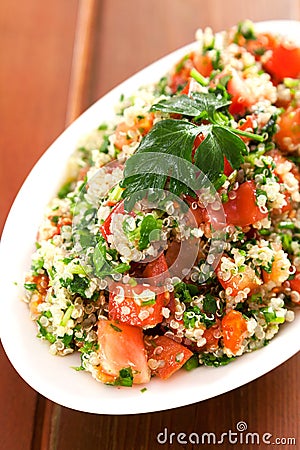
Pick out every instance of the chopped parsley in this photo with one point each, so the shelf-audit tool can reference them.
(185, 292)
(65, 189)
(193, 315)
(125, 377)
(76, 285)
(149, 227)
(192, 363)
(30, 286)
(209, 304)
(209, 359)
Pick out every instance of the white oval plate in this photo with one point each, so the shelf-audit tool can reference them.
(53, 377)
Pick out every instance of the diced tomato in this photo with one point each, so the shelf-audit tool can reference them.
(187, 88)
(118, 209)
(285, 208)
(239, 281)
(200, 214)
(121, 346)
(167, 355)
(243, 210)
(172, 252)
(260, 45)
(156, 267)
(35, 300)
(283, 62)
(181, 75)
(203, 64)
(241, 98)
(139, 306)
(212, 336)
(288, 136)
(126, 134)
(191, 86)
(234, 330)
(53, 228)
(276, 275)
(227, 167)
(295, 283)
(280, 159)
(62, 222)
(247, 125)
(41, 281)
(82, 172)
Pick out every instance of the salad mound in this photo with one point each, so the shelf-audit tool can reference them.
(175, 239)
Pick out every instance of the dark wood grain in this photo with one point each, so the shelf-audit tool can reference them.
(267, 405)
(41, 91)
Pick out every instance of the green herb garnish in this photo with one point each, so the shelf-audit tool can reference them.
(176, 137)
(192, 363)
(125, 377)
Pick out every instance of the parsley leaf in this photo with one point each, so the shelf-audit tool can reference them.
(101, 264)
(200, 104)
(209, 156)
(181, 104)
(209, 304)
(148, 225)
(176, 138)
(232, 146)
(171, 136)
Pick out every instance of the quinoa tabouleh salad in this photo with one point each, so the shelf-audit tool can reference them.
(175, 238)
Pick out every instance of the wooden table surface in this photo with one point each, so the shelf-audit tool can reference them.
(57, 58)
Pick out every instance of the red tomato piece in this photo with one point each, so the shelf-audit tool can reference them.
(242, 98)
(126, 134)
(121, 346)
(203, 64)
(284, 62)
(41, 282)
(276, 271)
(212, 336)
(288, 136)
(227, 167)
(139, 306)
(166, 356)
(118, 209)
(156, 267)
(243, 210)
(295, 283)
(105, 227)
(200, 213)
(234, 330)
(181, 73)
(260, 45)
(247, 125)
(240, 281)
